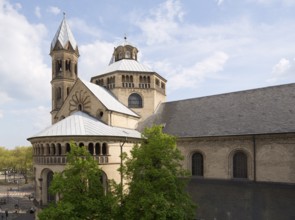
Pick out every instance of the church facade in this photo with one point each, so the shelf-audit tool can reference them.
(239, 147)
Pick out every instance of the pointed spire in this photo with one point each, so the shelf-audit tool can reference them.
(64, 35)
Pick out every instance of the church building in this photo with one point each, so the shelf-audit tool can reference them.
(239, 147)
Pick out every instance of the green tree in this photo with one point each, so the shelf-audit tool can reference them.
(156, 180)
(80, 190)
(23, 162)
(19, 160)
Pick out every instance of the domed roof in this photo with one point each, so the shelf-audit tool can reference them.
(82, 124)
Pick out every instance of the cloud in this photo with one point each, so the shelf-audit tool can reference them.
(1, 114)
(219, 2)
(82, 27)
(54, 10)
(162, 22)
(22, 70)
(38, 117)
(190, 77)
(94, 58)
(4, 98)
(280, 70)
(38, 11)
(272, 2)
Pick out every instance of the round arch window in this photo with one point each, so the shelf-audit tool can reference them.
(135, 101)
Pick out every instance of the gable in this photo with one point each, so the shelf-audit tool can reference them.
(94, 101)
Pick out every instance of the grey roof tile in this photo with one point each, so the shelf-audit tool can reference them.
(258, 111)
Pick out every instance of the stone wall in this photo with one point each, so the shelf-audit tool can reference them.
(270, 157)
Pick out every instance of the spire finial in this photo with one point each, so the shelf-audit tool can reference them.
(64, 15)
(125, 37)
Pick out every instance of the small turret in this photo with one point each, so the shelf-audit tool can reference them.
(124, 51)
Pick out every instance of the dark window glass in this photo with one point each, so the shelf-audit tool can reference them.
(135, 101)
(197, 164)
(50, 197)
(240, 165)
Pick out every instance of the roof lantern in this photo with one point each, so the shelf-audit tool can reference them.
(124, 51)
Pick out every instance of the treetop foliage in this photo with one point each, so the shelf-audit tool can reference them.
(156, 180)
(81, 191)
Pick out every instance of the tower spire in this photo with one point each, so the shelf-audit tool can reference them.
(64, 37)
(64, 53)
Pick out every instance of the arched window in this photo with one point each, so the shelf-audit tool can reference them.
(97, 149)
(240, 165)
(68, 147)
(127, 54)
(104, 149)
(58, 149)
(50, 197)
(135, 101)
(91, 148)
(197, 164)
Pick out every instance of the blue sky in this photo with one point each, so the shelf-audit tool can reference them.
(202, 47)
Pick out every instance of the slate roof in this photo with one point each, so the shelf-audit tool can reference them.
(259, 111)
(82, 124)
(107, 99)
(64, 35)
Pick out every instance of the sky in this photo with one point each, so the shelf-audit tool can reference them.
(202, 47)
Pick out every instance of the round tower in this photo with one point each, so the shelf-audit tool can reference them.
(64, 53)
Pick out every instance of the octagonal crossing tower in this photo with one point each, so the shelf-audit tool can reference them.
(134, 84)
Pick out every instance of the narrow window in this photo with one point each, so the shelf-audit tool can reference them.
(50, 197)
(240, 165)
(91, 148)
(104, 149)
(68, 147)
(58, 93)
(197, 165)
(127, 54)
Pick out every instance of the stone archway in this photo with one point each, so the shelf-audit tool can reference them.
(45, 181)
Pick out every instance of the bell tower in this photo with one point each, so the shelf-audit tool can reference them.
(64, 53)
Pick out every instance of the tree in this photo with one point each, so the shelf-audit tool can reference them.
(80, 190)
(156, 180)
(19, 160)
(23, 161)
